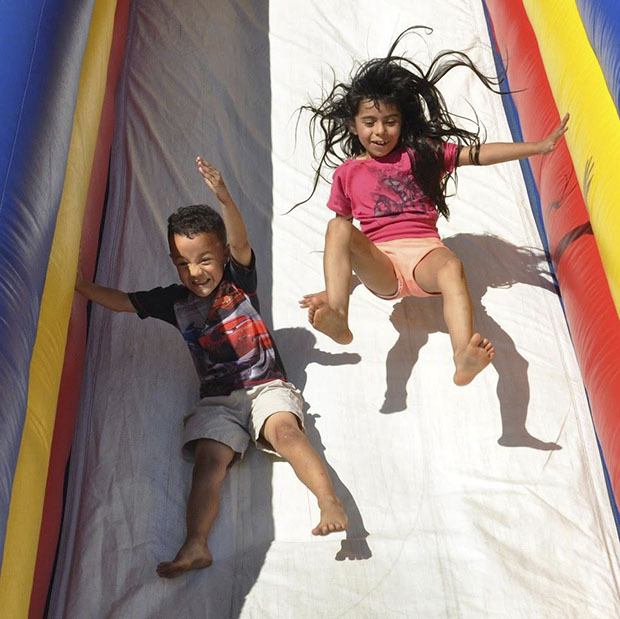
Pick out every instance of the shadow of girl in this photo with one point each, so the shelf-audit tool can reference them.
(498, 264)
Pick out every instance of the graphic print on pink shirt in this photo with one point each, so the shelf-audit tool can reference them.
(403, 193)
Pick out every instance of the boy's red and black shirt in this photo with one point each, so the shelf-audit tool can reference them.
(230, 344)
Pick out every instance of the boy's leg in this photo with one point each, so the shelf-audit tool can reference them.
(346, 249)
(211, 462)
(441, 271)
(282, 431)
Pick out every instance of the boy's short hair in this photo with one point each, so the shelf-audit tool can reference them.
(192, 220)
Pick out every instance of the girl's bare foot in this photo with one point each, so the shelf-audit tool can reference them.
(470, 361)
(193, 555)
(333, 517)
(325, 319)
(315, 299)
(334, 325)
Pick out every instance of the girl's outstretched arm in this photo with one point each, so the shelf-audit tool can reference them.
(236, 231)
(498, 152)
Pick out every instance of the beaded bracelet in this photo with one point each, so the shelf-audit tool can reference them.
(474, 154)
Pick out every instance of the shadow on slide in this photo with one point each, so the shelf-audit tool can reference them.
(297, 347)
(498, 264)
(303, 343)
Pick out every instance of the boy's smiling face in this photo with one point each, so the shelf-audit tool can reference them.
(199, 260)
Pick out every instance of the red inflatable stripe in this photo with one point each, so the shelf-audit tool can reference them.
(589, 307)
(69, 394)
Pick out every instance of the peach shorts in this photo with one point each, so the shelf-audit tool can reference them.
(405, 255)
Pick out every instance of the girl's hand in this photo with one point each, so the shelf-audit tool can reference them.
(213, 179)
(549, 143)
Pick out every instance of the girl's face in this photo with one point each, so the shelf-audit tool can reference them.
(377, 126)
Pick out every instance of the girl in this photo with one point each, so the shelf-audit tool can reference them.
(402, 146)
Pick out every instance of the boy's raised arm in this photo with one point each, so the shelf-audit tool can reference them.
(236, 231)
(498, 152)
(113, 299)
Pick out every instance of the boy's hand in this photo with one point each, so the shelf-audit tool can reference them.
(213, 179)
(236, 232)
(550, 142)
(80, 280)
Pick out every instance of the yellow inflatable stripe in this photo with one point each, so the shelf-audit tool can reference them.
(24, 522)
(579, 87)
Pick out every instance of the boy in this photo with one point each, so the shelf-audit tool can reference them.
(243, 384)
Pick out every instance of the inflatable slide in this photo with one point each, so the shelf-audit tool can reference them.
(490, 500)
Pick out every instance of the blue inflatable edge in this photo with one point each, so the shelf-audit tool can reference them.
(601, 19)
(41, 45)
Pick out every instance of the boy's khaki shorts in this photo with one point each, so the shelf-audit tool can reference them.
(236, 418)
(405, 255)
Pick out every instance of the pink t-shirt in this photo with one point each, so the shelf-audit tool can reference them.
(383, 195)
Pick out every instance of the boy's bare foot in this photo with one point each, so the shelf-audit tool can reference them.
(326, 320)
(333, 517)
(470, 361)
(193, 555)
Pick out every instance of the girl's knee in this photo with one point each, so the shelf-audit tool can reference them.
(338, 225)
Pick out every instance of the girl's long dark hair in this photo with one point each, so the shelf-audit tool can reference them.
(426, 123)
